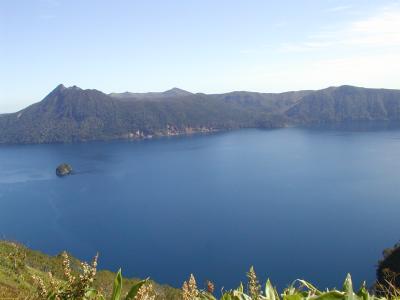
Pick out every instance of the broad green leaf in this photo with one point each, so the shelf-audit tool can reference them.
(134, 289)
(237, 295)
(226, 296)
(331, 295)
(270, 292)
(363, 292)
(206, 296)
(294, 296)
(117, 288)
(348, 285)
(309, 286)
(290, 290)
(240, 288)
(92, 294)
(348, 289)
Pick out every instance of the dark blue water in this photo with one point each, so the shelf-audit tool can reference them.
(295, 203)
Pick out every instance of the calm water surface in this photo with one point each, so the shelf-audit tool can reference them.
(295, 203)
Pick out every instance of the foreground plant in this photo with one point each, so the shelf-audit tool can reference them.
(190, 290)
(254, 286)
(388, 286)
(80, 286)
(298, 290)
(143, 290)
(72, 287)
(17, 257)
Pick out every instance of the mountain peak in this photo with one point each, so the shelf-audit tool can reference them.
(59, 87)
(176, 92)
(62, 94)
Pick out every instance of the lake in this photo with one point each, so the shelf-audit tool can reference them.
(295, 203)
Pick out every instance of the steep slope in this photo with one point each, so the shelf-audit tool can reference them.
(66, 114)
(18, 263)
(347, 103)
(72, 114)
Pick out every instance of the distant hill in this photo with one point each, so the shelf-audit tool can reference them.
(73, 114)
(174, 92)
(346, 103)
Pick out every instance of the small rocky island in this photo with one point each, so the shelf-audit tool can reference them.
(63, 170)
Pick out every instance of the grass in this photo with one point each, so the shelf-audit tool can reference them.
(18, 263)
(29, 274)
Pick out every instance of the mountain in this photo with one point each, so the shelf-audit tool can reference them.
(64, 115)
(174, 92)
(346, 103)
(73, 114)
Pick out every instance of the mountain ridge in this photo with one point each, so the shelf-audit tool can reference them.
(174, 92)
(72, 114)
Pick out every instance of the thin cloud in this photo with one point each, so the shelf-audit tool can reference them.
(339, 8)
(377, 31)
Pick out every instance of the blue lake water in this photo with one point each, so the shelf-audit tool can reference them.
(295, 203)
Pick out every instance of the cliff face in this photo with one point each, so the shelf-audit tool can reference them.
(72, 114)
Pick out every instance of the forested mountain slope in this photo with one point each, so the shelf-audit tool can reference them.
(73, 114)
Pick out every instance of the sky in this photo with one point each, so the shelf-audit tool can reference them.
(209, 46)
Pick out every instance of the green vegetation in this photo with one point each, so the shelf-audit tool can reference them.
(72, 114)
(388, 270)
(28, 274)
(22, 270)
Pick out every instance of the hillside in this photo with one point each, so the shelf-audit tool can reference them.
(347, 103)
(73, 114)
(18, 264)
(28, 274)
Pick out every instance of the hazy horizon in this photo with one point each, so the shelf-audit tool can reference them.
(197, 46)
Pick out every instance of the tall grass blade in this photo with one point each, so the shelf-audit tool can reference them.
(117, 288)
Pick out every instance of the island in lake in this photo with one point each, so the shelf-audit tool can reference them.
(63, 170)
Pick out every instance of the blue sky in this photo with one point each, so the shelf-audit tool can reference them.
(209, 46)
